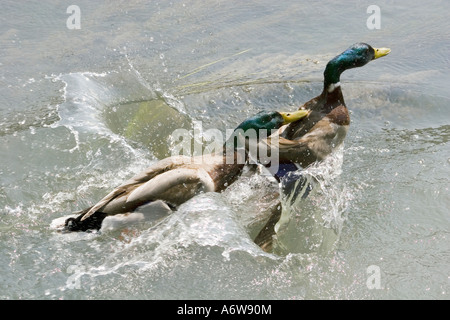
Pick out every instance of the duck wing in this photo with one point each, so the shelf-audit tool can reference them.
(121, 193)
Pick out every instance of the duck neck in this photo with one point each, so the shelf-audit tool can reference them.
(332, 93)
(232, 146)
(332, 74)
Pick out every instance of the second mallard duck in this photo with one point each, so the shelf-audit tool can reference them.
(316, 136)
(313, 138)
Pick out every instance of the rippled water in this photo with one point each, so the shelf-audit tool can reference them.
(83, 110)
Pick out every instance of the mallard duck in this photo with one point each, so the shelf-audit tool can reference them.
(313, 138)
(172, 181)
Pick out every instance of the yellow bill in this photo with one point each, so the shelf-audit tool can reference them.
(381, 52)
(294, 116)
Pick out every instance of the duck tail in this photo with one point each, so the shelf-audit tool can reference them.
(94, 222)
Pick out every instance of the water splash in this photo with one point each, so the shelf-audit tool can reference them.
(313, 212)
(205, 223)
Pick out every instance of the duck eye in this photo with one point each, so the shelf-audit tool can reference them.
(288, 114)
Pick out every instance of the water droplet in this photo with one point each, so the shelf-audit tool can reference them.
(288, 87)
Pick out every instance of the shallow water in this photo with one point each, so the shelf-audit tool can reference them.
(75, 107)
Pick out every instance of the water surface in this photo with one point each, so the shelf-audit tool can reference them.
(73, 126)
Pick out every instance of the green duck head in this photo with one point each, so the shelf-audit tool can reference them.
(264, 121)
(261, 125)
(355, 56)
